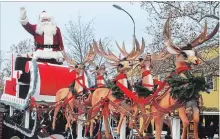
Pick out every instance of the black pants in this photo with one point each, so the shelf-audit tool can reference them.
(51, 61)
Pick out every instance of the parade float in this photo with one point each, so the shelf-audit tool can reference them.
(44, 99)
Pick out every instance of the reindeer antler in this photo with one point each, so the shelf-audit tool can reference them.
(122, 50)
(101, 52)
(69, 60)
(202, 37)
(136, 51)
(171, 47)
(160, 56)
(139, 50)
(90, 56)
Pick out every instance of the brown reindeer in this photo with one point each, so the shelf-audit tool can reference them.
(148, 82)
(147, 79)
(65, 93)
(123, 66)
(185, 56)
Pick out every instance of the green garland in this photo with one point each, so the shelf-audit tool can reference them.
(184, 92)
(116, 91)
(141, 90)
(73, 90)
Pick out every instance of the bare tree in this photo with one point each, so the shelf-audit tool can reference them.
(23, 47)
(196, 11)
(80, 36)
(188, 19)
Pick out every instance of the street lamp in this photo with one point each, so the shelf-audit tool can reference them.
(119, 8)
(132, 79)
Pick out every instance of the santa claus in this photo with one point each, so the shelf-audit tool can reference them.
(47, 37)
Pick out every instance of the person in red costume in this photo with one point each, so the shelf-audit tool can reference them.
(47, 38)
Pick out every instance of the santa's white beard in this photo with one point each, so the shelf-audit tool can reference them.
(46, 28)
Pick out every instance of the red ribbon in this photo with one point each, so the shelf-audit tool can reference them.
(147, 85)
(126, 91)
(157, 82)
(33, 102)
(132, 95)
(120, 76)
(181, 69)
(101, 103)
(161, 84)
(100, 77)
(67, 100)
(145, 73)
(106, 111)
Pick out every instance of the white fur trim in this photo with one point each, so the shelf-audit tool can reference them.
(48, 54)
(48, 36)
(24, 21)
(44, 15)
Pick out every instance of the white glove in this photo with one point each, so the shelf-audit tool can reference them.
(23, 13)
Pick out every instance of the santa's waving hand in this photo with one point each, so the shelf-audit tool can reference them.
(47, 37)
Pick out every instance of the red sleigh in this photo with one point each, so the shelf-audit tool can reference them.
(36, 79)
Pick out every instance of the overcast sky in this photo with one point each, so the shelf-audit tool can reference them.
(108, 21)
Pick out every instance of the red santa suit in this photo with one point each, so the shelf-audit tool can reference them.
(47, 37)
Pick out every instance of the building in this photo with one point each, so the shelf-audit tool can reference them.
(210, 110)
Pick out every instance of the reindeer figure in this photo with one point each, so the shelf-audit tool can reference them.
(185, 56)
(123, 66)
(67, 93)
(148, 81)
(100, 72)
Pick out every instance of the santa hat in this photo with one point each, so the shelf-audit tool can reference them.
(44, 15)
